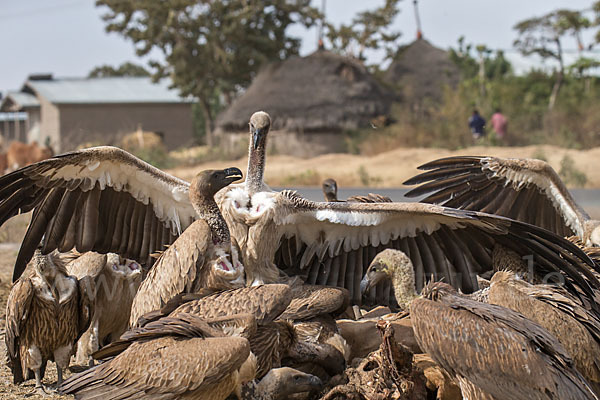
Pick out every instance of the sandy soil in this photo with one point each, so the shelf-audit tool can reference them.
(391, 168)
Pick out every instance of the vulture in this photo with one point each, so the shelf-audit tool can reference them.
(116, 281)
(202, 257)
(559, 313)
(280, 384)
(493, 352)
(274, 339)
(106, 200)
(527, 190)
(281, 233)
(46, 313)
(396, 266)
(175, 357)
(124, 205)
(330, 192)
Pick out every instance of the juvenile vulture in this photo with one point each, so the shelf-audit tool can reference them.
(493, 351)
(333, 243)
(202, 257)
(116, 280)
(46, 313)
(527, 190)
(273, 341)
(559, 313)
(106, 200)
(280, 384)
(179, 357)
(330, 191)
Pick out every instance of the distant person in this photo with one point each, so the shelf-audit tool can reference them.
(498, 122)
(477, 125)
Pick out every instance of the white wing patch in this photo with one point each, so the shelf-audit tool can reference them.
(169, 199)
(524, 178)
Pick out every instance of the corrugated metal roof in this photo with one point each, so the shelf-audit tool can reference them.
(106, 90)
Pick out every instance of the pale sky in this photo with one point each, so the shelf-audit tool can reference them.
(67, 37)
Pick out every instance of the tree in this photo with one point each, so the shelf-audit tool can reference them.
(543, 36)
(125, 69)
(368, 30)
(210, 47)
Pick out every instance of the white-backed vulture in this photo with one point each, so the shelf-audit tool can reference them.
(527, 190)
(330, 188)
(179, 357)
(493, 351)
(100, 199)
(333, 243)
(116, 280)
(274, 340)
(280, 383)
(126, 206)
(201, 257)
(556, 310)
(46, 313)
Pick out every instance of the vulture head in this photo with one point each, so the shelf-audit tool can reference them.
(260, 123)
(280, 383)
(330, 190)
(395, 265)
(208, 182)
(44, 265)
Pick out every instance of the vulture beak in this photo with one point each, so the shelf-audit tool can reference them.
(373, 276)
(233, 174)
(315, 382)
(256, 136)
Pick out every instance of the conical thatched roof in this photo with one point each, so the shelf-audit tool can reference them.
(321, 92)
(420, 71)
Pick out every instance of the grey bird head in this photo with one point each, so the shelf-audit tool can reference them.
(330, 189)
(260, 123)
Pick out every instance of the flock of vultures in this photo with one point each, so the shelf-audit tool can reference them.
(215, 289)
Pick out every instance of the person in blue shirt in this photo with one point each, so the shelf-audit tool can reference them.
(477, 125)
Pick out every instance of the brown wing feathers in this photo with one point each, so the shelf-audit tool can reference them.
(465, 182)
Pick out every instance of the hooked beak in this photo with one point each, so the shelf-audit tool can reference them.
(315, 382)
(233, 174)
(256, 136)
(371, 278)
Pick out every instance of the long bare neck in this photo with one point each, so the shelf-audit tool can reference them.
(404, 287)
(207, 209)
(256, 168)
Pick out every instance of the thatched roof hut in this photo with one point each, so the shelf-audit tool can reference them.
(323, 92)
(420, 71)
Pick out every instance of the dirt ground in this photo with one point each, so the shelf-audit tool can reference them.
(391, 168)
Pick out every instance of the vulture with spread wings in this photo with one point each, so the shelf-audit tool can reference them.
(333, 243)
(106, 200)
(527, 190)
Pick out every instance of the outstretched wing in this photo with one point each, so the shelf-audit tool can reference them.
(523, 189)
(17, 312)
(99, 199)
(333, 243)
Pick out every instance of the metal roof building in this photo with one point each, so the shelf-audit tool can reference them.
(70, 112)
